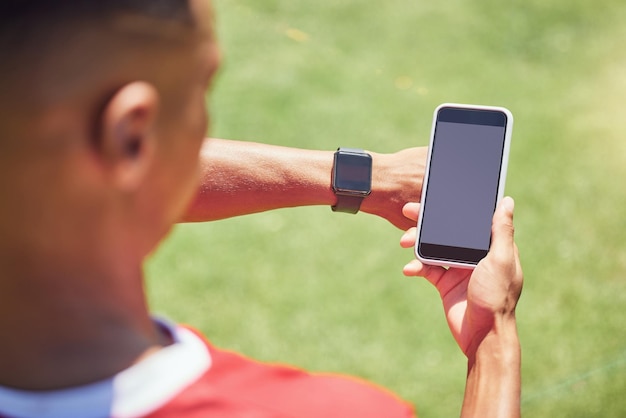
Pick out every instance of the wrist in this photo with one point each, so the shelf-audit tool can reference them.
(391, 185)
(493, 387)
(500, 345)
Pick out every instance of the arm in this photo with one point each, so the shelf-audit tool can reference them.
(480, 309)
(493, 385)
(239, 178)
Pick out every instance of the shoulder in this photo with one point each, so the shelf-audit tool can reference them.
(237, 385)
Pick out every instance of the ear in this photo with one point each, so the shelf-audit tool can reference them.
(127, 141)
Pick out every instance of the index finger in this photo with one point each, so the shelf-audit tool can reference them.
(411, 210)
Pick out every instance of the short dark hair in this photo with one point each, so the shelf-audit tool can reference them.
(27, 25)
(21, 10)
(22, 21)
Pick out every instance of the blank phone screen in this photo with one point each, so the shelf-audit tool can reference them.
(462, 185)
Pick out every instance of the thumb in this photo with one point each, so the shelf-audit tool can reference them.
(502, 229)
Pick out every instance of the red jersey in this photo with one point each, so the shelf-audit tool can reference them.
(193, 379)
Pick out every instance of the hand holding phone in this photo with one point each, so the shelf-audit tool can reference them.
(464, 180)
(480, 310)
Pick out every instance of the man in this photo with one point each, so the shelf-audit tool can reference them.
(102, 121)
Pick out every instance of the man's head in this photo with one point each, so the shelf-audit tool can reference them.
(102, 114)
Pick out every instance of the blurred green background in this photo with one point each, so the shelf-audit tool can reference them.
(325, 291)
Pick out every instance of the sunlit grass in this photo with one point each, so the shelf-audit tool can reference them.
(325, 290)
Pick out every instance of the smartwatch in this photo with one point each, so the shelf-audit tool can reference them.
(351, 179)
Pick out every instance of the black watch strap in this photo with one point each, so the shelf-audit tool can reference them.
(347, 204)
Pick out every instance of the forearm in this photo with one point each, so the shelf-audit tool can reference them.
(238, 178)
(493, 386)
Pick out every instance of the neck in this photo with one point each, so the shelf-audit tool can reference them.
(74, 326)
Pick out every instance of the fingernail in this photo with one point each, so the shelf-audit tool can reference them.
(508, 204)
(406, 270)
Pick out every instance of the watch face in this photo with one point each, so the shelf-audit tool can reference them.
(353, 173)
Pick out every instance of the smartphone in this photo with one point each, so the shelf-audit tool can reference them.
(463, 183)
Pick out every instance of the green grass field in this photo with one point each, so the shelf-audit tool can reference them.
(325, 291)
